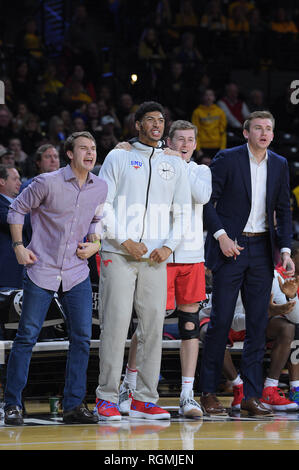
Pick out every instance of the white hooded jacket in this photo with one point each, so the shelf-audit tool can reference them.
(144, 186)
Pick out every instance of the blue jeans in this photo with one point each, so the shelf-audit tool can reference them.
(77, 305)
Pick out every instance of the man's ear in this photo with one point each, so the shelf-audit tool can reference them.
(137, 125)
(245, 133)
(70, 154)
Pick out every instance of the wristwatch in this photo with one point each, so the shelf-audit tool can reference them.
(14, 244)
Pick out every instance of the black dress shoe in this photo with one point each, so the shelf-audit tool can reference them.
(13, 415)
(79, 415)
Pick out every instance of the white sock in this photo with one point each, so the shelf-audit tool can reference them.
(270, 382)
(294, 383)
(237, 381)
(187, 385)
(130, 377)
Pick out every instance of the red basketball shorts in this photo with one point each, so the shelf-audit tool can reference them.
(185, 284)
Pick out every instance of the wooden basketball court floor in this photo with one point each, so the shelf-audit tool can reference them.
(43, 431)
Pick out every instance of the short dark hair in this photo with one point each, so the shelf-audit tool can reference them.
(4, 172)
(181, 125)
(69, 143)
(258, 115)
(41, 150)
(148, 107)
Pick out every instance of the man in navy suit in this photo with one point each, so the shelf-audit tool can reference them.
(11, 272)
(248, 217)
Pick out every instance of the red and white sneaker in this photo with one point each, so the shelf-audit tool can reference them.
(274, 399)
(106, 410)
(146, 410)
(238, 396)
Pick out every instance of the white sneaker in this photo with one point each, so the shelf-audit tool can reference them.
(125, 398)
(189, 407)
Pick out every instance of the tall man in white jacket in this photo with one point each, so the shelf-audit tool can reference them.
(185, 274)
(144, 185)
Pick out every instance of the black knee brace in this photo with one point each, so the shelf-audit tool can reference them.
(185, 317)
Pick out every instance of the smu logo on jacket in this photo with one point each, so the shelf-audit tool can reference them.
(135, 164)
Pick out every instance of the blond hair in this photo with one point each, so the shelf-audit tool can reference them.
(258, 115)
(181, 125)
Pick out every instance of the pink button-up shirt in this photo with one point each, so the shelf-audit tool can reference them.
(62, 214)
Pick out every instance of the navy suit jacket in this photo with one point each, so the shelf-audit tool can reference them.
(230, 203)
(11, 272)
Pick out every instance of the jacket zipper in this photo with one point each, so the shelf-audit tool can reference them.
(147, 193)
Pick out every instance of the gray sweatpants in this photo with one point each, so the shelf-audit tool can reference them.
(125, 282)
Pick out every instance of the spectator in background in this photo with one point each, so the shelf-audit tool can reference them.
(129, 129)
(174, 90)
(163, 15)
(23, 83)
(258, 30)
(213, 18)
(46, 160)
(188, 53)
(236, 110)
(237, 21)
(10, 183)
(44, 104)
(108, 126)
(125, 106)
(79, 75)
(186, 16)
(78, 94)
(105, 142)
(30, 134)
(256, 22)
(66, 117)
(32, 41)
(150, 51)
(19, 119)
(105, 94)
(93, 118)
(82, 41)
(56, 132)
(245, 6)
(256, 101)
(282, 24)
(7, 157)
(6, 125)
(20, 157)
(79, 124)
(213, 23)
(52, 83)
(102, 108)
(211, 123)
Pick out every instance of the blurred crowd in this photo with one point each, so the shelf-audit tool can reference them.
(116, 54)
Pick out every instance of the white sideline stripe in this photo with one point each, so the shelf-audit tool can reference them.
(64, 345)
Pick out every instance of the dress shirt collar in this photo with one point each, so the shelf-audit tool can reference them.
(70, 175)
(10, 199)
(253, 157)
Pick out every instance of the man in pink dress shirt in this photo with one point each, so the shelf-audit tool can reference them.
(65, 206)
